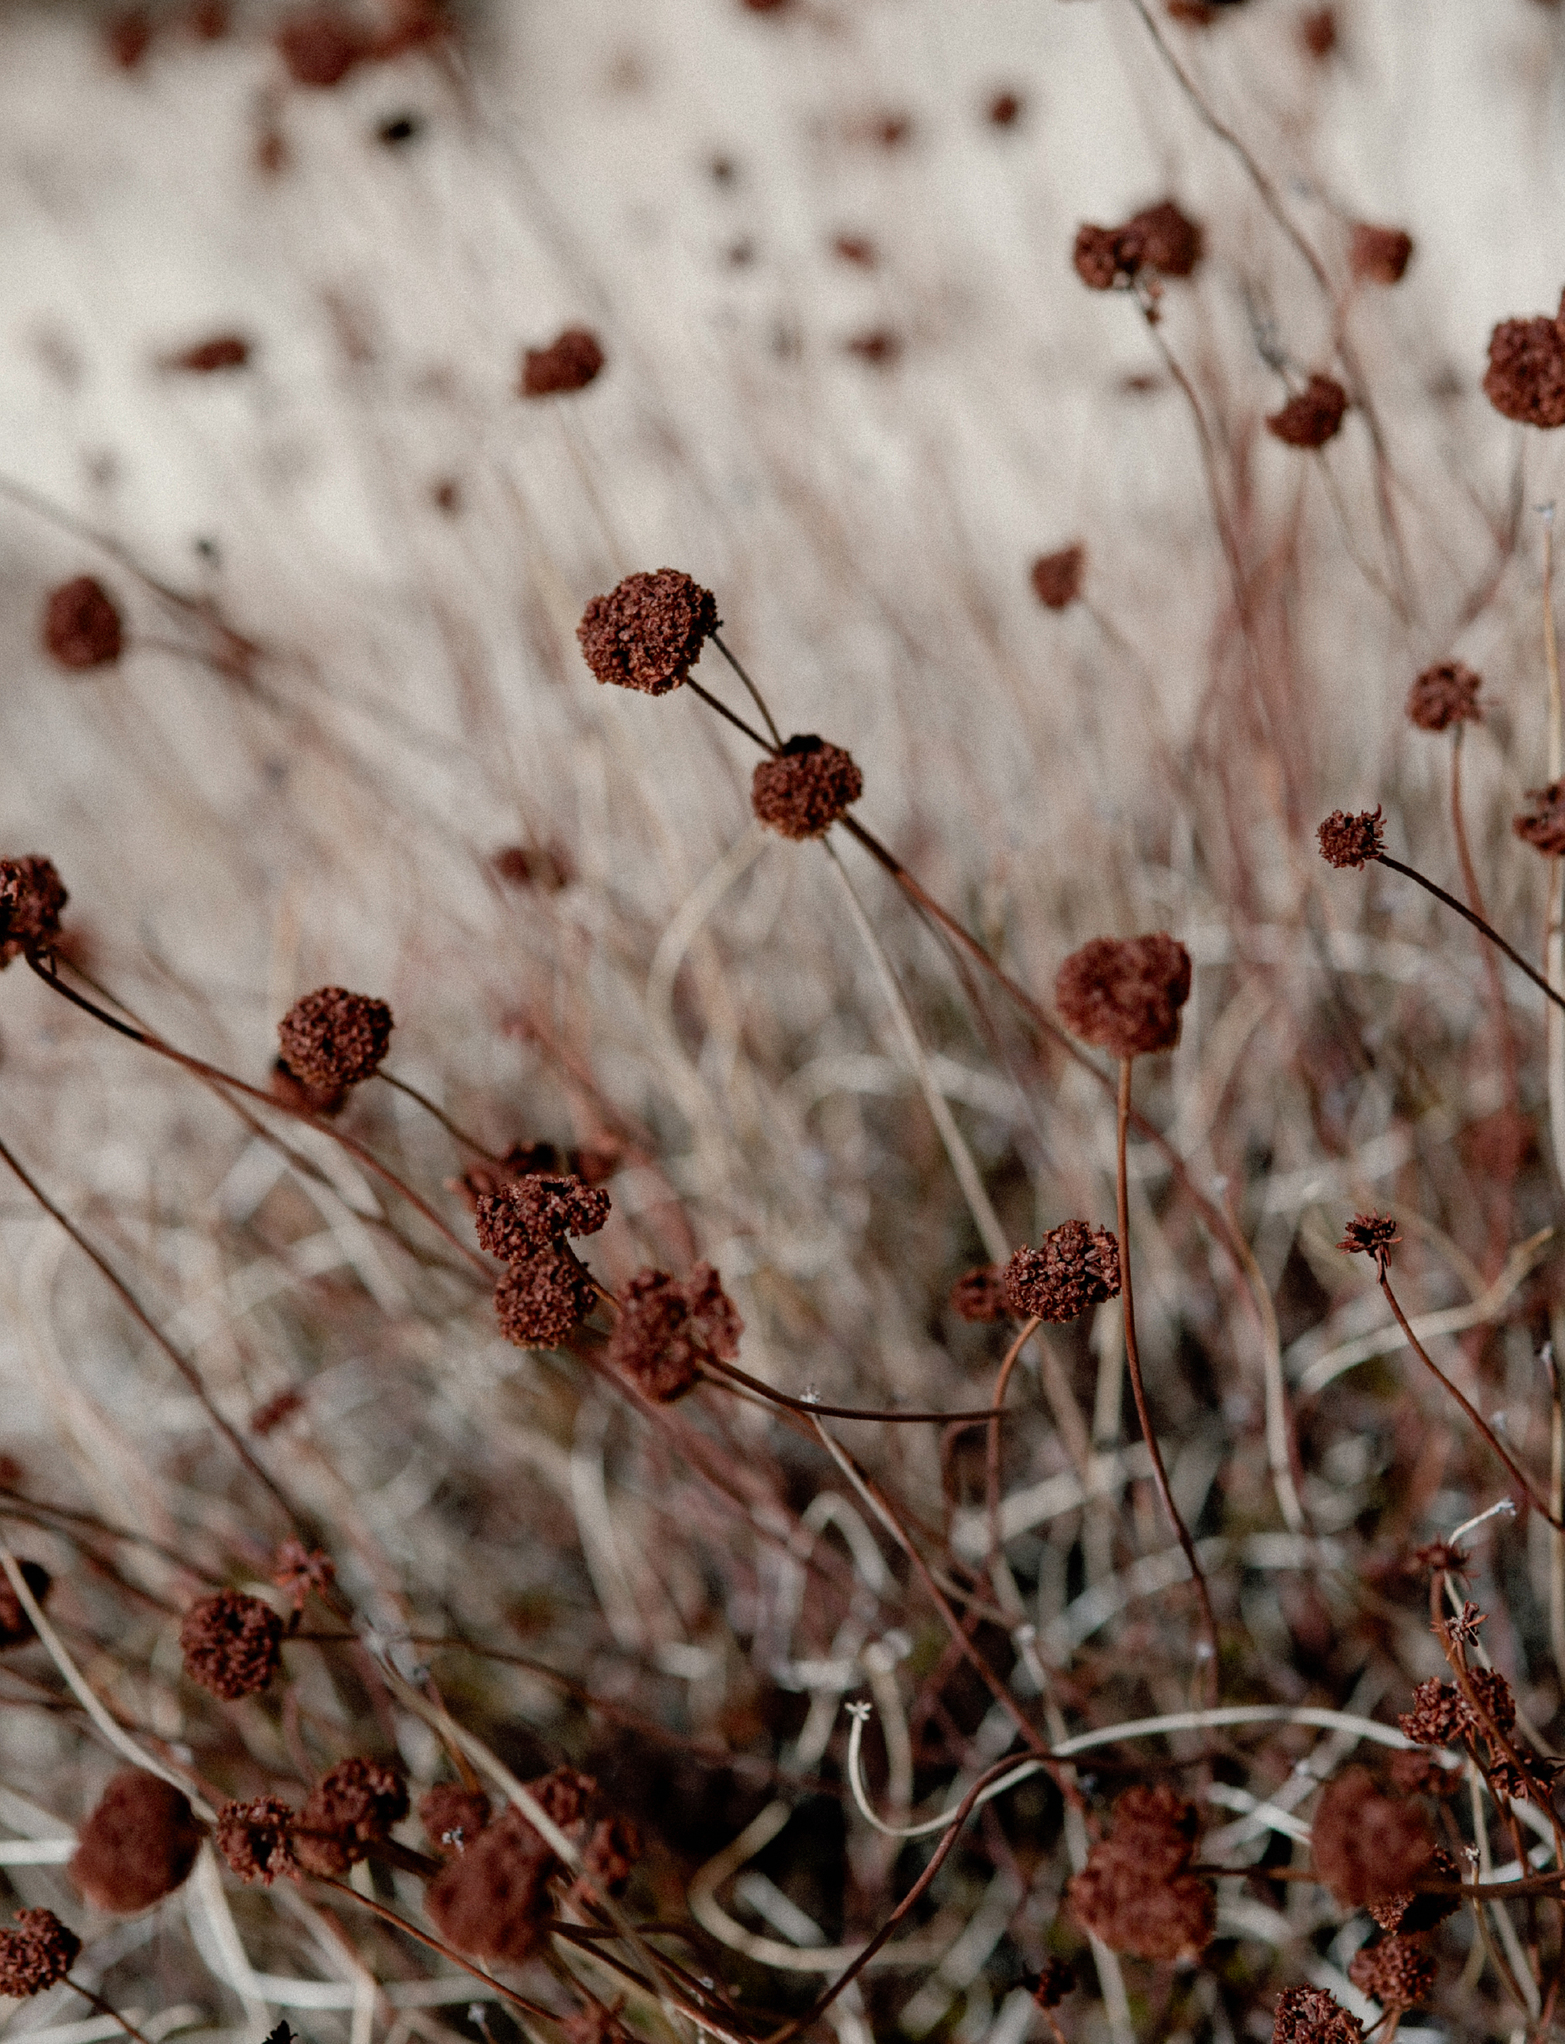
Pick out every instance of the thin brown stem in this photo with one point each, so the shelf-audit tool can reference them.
(992, 1442)
(722, 709)
(434, 1944)
(451, 1128)
(1138, 1389)
(816, 1410)
(1476, 903)
(754, 693)
(1484, 928)
(106, 2008)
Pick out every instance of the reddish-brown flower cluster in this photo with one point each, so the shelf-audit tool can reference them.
(299, 1569)
(538, 1302)
(1367, 1844)
(647, 633)
(667, 1328)
(256, 1839)
(1445, 695)
(979, 1294)
(1312, 416)
(1309, 2015)
(1525, 379)
(332, 1039)
(1056, 577)
(349, 1812)
(1160, 238)
(1379, 255)
(1351, 840)
(1439, 1716)
(211, 356)
(35, 1952)
(138, 1845)
(533, 1212)
(803, 790)
(1371, 1235)
(232, 1644)
(1125, 994)
(15, 1625)
(1398, 1972)
(1544, 829)
(1072, 1268)
(452, 1817)
(32, 895)
(1136, 1892)
(611, 1855)
(492, 1900)
(1407, 1911)
(82, 626)
(569, 363)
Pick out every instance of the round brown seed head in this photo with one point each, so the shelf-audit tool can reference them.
(1162, 238)
(15, 1625)
(331, 1038)
(138, 1845)
(541, 1299)
(1439, 1717)
(1398, 1972)
(533, 1213)
(350, 1811)
(1309, 2015)
(979, 1294)
(32, 895)
(1525, 379)
(1351, 840)
(231, 1643)
(1155, 1825)
(1072, 1268)
(1445, 695)
(452, 1816)
(1371, 1235)
(1379, 255)
(1056, 577)
(492, 1900)
(1365, 1844)
(319, 46)
(1544, 828)
(81, 625)
(256, 1839)
(667, 1327)
(1137, 1910)
(805, 788)
(647, 633)
(1098, 258)
(1499, 1705)
(1125, 994)
(1312, 416)
(568, 363)
(35, 1952)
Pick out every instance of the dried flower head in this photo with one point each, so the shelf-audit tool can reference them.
(1410, 1912)
(1439, 1717)
(319, 46)
(138, 1845)
(569, 363)
(611, 1855)
(452, 1816)
(668, 1327)
(15, 1625)
(35, 1952)
(1398, 1972)
(526, 1215)
(209, 357)
(1124, 994)
(1311, 416)
(1056, 577)
(299, 1569)
(492, 1900)
(805, 788)
(1371, 1235)
(82, 626)
(331, 1038)
(1309, 2015)
(1164, 239)
(1544, 829)
(1366, 1844)
(979, 1294)
(1379, 255)
(231, 1644)
(1135, 1892)
(1351, 840)
(349, 1812)
(540, 1300)
(647, 633)
(1096, 257)
(1443, 696)
(1072, 1268)
(1525, 379)
(32, 895)
(256, 1839)
(1054, 1983)
(1493, 1693)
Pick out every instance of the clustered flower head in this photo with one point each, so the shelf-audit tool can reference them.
(81, 625)
(1544, 829)
(1072, 1268)
(539, 1301)
(570, 362)
(349, 1812)
(1398, 1972)
(1379, 255)
(299, 1570)
(647, 633)
(1367, 1844)
(979, 1294)
(1309, 2015)
(1525, 379)
(1311, 416)
(667, 1327)
(1371, 1235)
(452, 1817)
(256, 1839)
(138, 1845)
(1124, 994)
(531, 1213)
(332, 1039)
(232, 1644)
(1445, 695)
(35, 1952)
(491, 1900)
(1056, 577)
(1160, 238)
(803, 790)
(15, 1625)
(1136, 1892)
(1351, 840)
(32, 895)
(1407, 1911)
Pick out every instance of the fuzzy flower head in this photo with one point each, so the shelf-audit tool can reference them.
(35, 1952)
(647, 633)
(569, 363)
(138, 1845)
(534, 1213)
(331, 1038)
(1371, 1235)
(32, 895)
(1125, 994)
(806, 788)
(1351, 840)
(256, 1839)
(453, 1816)
(1366, 1844)
(541, 1298)
(667, 1326)
(1398, 1972)
(231, 1643)
(1309, 2015)
(1312, 416)
(1443, 696)
(349, 1812)
(81, 625)
(1525, 379)
(1544, 828)
(1073, 1267)
(1136, 1892)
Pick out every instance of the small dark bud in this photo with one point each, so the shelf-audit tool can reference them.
(1379, 255)
(569, 363)
(81, 625)
(210, 357)
(32, 895)
(1371, 1235)
(1056, 578)
(1311, 417)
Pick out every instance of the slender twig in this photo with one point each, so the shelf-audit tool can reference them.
(106, 2008)
(733, 717)
(451, 1128)
(817, 1410)
(755, 694)
(1476, 903)
(992, 1443)
(1485, 929)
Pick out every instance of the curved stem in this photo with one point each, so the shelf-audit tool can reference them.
(1476, 903)
(992, 1443)
(1138, 1388)
(451, 1128)
(1484, 929)
(106, 2008)
(816, 1410)
(754, 693)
